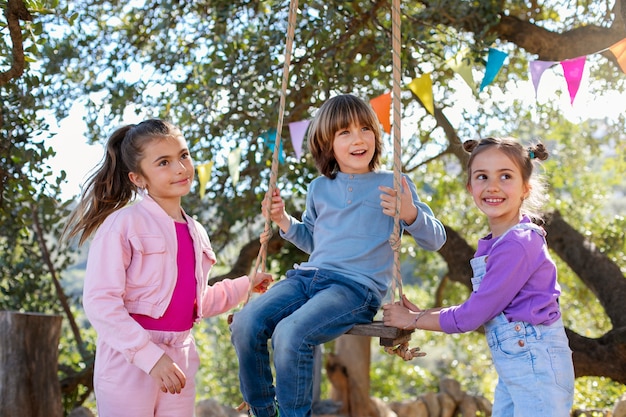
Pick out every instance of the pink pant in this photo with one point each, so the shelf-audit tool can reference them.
(123, 390)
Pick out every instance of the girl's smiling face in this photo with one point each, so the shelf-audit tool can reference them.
(353, 148)
(166, 170)
(498, 189)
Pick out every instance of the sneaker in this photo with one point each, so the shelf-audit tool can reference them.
(252, 415)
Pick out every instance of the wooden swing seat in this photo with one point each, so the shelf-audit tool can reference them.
(389, 336)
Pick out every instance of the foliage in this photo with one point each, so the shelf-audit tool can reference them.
(214, 68)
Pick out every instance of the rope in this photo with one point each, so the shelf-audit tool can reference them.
(395, 238)
(261, 259)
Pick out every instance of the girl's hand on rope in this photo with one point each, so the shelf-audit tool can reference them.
(408, 211)
(275, 207)
(262, 281)
(401, 314)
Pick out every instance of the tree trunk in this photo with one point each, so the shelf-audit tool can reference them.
(29, 384)
(348, 371)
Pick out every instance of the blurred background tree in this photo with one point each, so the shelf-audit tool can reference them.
(214, 68)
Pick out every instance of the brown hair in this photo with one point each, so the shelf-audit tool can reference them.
(109, 188)
(524, 158)
(337, 113)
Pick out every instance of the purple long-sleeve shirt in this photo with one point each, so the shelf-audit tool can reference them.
(520, 280)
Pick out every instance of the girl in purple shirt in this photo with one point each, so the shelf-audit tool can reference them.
(515, 290)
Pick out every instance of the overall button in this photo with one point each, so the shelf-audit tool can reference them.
(521, 343)
(518, 327)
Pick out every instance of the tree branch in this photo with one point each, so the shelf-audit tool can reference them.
(15, 11)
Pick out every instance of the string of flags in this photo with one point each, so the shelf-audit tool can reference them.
(422, 87)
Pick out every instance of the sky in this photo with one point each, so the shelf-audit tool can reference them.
(73, 154)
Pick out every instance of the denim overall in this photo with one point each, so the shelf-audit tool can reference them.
(534, 362)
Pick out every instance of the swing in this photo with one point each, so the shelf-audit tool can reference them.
(394, 340)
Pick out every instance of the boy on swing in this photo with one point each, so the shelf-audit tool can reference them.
(345, 229)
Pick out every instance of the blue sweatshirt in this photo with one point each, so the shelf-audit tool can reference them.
(345, 230)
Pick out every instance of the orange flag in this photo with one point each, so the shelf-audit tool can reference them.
(619, 50)
(382, 107)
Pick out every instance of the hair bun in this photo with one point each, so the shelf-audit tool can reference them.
(470, 145)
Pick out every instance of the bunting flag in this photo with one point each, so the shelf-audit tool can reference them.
(422, 87)
(573, 72)
(297, 130)
(269, 138)
(537, 69)
(495, 59)
(461, 65)
(234, 160)
(619, 50)
(204, 174)
(382, 107)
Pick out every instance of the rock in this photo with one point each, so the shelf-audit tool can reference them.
(210, 408)
(415, 408)
(383, 409)
(452, 388)
(81, 412)
(447, 404)
(432, 403)
(468, 406)
(619, 410)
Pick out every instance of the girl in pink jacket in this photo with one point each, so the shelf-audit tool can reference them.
(146, 282)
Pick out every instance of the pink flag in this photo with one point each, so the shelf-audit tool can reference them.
(297, 130)
(536, 71)
(573, 72)
(382, 107)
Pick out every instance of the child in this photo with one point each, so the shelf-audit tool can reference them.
(345, 229)
(515, 292)
(147, 273)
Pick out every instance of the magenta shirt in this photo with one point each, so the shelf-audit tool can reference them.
(520, 280)
(181, 312)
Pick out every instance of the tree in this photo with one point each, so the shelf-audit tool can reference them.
(213, 67)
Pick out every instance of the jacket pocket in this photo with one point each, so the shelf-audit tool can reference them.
(148, 261)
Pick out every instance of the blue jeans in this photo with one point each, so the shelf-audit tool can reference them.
(535, 369)
(308, 308)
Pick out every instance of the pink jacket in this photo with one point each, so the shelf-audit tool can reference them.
(131, 268)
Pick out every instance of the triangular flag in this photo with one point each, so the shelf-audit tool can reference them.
(573, 72)
(495, 59)
(536, 71)
(619, 50)
(382, 107)
(269, 138)
(422, 87)
(204, 174)
(460, 64)
(297, 130)
(234, 160)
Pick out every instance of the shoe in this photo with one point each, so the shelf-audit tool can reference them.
(252, 415)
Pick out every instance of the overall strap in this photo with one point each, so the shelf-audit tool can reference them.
(522, 226)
